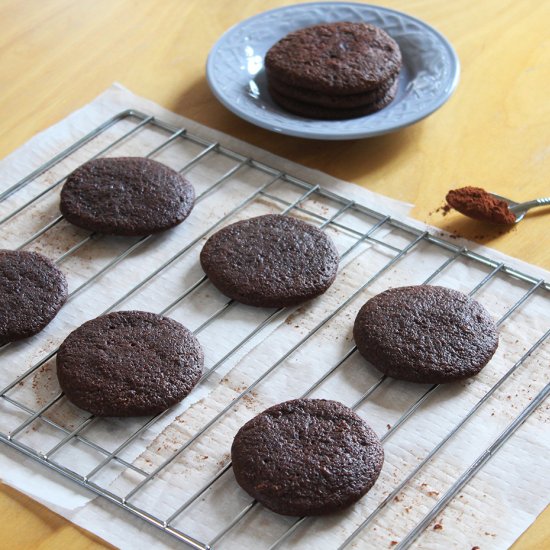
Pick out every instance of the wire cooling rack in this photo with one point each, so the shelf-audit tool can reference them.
(363, 231)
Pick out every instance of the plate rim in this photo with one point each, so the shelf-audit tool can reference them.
(327, 134)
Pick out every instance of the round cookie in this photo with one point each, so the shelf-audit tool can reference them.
(129, 363)
(306, 457)
(428, 334)
(331, 101)
(307, 110)
(270, 261)
(129, 196)
(340, 58)
(32, 291)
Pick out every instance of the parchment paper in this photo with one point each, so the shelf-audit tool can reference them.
(491, 512)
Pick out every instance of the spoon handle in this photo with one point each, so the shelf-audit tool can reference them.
(524, 206)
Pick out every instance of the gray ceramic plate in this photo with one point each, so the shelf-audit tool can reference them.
(235, 70)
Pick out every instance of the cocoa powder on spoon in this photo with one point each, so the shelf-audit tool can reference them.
(476, 203)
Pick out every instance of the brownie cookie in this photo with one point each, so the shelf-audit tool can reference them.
(337, 58)
(126, 196)
(429, 334)
(32, 291)
(129, 363)
(331, 101)
(308, 110)
(306, 457)
(270, 261)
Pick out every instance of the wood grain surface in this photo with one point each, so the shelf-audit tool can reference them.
(57, 55)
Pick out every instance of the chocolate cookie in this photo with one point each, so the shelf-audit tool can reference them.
(331, 101)
(129, 363)
(270, 261)
(32, 291)
(337, 58)
(325, 113)
(126, 196)
(306, 457)
(429, 334)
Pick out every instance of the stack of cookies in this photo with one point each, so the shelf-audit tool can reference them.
(334, 71)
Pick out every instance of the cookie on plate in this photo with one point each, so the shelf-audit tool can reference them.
(312, 110)
(130, 196)
(129, 363)
(334, 70)
(32, 291)
(339, 58)
(306, 457)
(270, 261)
(428, 334)
(331, 101)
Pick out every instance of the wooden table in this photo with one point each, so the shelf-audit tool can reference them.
(56, 55)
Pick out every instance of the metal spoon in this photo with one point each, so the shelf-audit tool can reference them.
(519, 209)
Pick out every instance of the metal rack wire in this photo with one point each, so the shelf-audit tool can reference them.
(375, 235)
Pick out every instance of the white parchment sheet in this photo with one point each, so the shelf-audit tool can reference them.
(491, 511)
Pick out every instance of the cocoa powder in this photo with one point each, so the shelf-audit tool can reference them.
(476, 203)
